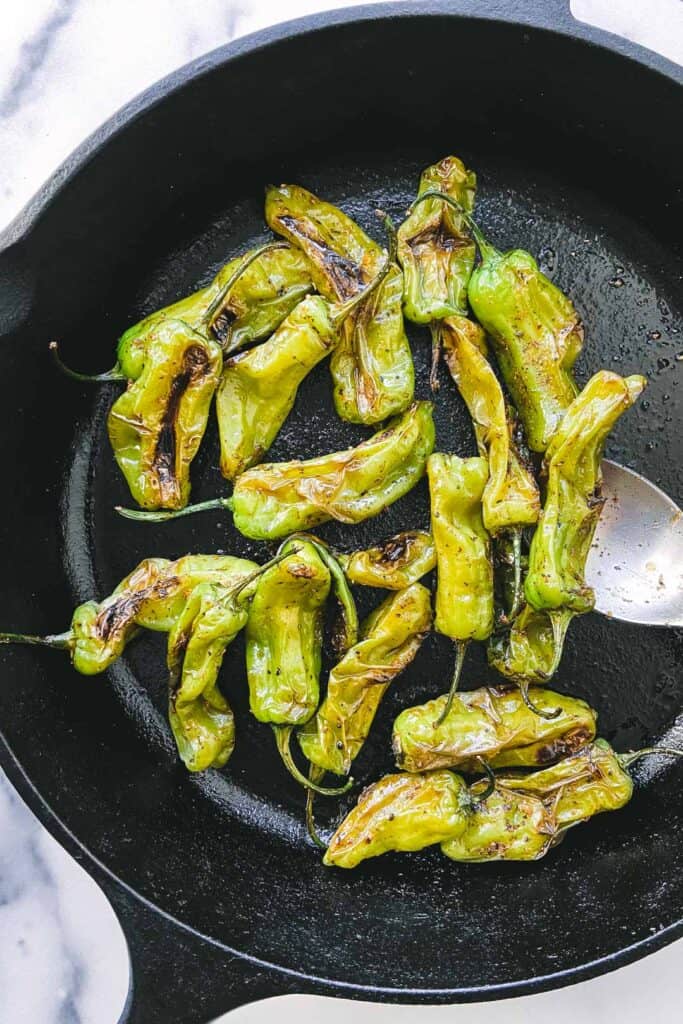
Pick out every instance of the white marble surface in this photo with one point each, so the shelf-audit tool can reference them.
(65, 66)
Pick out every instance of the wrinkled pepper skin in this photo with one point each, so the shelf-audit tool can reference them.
(561, 543)
(536, 335)
(510, 499)
(494, 726)
(390, 639)
(256, 305)
(284, 637)
(434, 246)
(156, 426)
(402, 813)
(529, 814)
(529, 653)
(150, 597)
(372, 366)
(201, 719)
(394, 564)
(464, 595)
(277, 499)
(258, 387)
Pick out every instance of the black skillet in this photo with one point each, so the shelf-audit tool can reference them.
(575, 135)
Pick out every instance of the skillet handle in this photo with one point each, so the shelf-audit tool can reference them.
(178, 976)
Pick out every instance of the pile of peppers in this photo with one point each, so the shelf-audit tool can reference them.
(510, 527)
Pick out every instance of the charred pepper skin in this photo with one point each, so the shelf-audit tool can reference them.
(390, 639)
(436, 251)
(402, 813)
(284, 637)
(156, 426)
(393, 564)
(257, 303)
(372, 366)
(151, 597)
(561, 543)
(493, 726)
(510, 500)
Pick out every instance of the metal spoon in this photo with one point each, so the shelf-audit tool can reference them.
(636, 562)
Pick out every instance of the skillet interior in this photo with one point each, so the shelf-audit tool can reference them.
(575, 157)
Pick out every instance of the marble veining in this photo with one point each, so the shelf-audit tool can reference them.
(65, 66)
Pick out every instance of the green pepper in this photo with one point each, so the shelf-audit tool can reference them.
(400, 812)
(535, 330)
(276, 499)
(157, 424)
(435, 249)
(561, 543)
(284, 637)
(530, 652)
(372, 366)
(201, 719)
(152, 597)
(529, 814)
(258, 388)
(464, 593)
(393, 564)
(510, 500)
(491, 725)
(390, 639)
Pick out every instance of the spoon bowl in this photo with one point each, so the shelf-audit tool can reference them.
(635, 565)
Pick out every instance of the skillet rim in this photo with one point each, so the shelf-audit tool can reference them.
(551, 16)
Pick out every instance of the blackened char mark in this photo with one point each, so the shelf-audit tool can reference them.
(345, 276)
(195, 366)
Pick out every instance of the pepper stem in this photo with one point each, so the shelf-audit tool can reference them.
(223, 294)
(487, 250)
(316, 775)
(90, 378)
(58, 641)
(435, 330)
(163, 515)
(626, 760)
(283, 736)
(341, 310)
(460, 651)
(491, 788)
(541, 712)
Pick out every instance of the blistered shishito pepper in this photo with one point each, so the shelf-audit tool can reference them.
(436, 250)
(400, 812)
(561, 543)
(434, 245)
(492, 726)
(510, 500)
(372, 366)
(535, 330)
(201, 719)
(390, 638)
(173, 361)
(258, 388)
(152, 597)
(529, 653)
(529, 814)
(464, 593)
(284, 637)
(393, 564)
(276, 499)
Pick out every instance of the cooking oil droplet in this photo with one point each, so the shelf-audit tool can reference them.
(616, 282)
(654, 335)
(547, 259)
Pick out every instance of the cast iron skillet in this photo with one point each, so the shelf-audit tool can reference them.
(575, 137)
